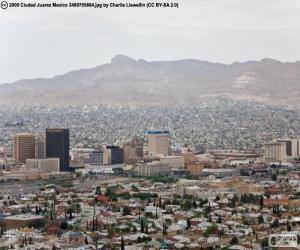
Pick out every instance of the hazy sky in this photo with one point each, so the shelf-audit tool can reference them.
(46, 42)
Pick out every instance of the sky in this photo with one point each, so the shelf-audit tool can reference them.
(46, 42)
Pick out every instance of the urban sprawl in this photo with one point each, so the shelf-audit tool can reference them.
(224, 175)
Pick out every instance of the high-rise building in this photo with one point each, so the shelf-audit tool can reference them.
(40, 148)
(158, 143)
(113, 155)
(133, 151)
(291, 147)
(23, 147)
(57, 146)
(96, 157)
(192, 164)
(275, 152)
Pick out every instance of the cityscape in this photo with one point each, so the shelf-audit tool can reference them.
(150, 125)
(223, 175)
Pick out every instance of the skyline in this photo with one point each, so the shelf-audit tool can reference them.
(45, 43)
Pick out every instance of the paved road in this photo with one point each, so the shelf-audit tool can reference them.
(25, 187)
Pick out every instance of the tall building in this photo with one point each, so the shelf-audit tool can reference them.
(40, 148)
(96, 157)
(158, 143)
(113, 155)
(57, 146)
(275, 152)
(23, 147)
(292, 150)
(192, 164)
(133, 151)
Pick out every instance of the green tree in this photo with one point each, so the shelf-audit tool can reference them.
(122, 244)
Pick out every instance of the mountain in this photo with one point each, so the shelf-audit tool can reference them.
(126, 81)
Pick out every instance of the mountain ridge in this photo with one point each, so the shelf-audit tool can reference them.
(125, 81)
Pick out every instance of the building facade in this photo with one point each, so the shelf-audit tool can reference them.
(151, 169)
(174, 162)
(158, 143)
(292, 147)
(57, 146)
(23, 147)
(275, 152)
(40, 148)
(133, 151)
(96, 157)
(44, 165)
(113, 155)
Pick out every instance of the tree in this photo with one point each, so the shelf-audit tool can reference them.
(126, 211)
(164, 229)
(261, 202)
(275, 224)
(134, 188)
(142, 225)
(188, 223)
(261, 219)
(122, 244)
(265, 243)
(194, 204)
(209, 218)
(2, 228)
(234, 240)
(159, 202)
(234, 200)
(36, 210)
(219, 221)
(95, 238)
(98, 190)
(64, 225)
(147, 228)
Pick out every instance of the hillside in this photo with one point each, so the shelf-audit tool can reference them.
(126, 81)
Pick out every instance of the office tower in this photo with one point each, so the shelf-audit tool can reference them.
(275, 152)
(57, 146)
(40, 148)
(96, 157)
(291, 147)
(113, 155)
(133, 151)
(192, 164)
(23, 147)
(158, 143)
